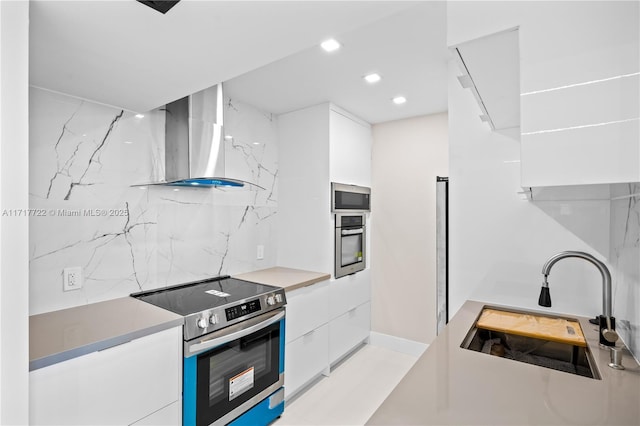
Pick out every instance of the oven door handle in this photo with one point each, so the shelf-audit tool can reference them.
(352, 231)
(232, 333)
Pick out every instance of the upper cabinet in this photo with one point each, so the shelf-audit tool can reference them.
(317, 145)
(577, 97)
(586, 132)
(491, 69)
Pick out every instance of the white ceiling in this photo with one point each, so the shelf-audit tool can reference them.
(125, 54)
(408, 49)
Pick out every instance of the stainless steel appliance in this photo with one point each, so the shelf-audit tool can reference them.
(195, 143)
(350, 198)
(350, 244)
(233, 371)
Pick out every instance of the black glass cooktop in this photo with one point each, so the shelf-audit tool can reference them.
(199, 296)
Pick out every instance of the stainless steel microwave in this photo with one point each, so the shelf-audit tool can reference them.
(350, 198)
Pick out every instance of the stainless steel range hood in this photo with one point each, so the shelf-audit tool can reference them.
(194, 142)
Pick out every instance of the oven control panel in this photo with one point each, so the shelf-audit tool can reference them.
(242, 309)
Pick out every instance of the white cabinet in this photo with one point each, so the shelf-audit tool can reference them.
(348, 331)
(119, 385)
(349, 313)
(305, 359)
(307, 309)
(307, 336)
(325, 321)
(317, 145)
(587, 133)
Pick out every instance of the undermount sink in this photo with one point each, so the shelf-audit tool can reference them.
(544, 340)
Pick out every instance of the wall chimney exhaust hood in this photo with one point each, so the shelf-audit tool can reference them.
(194, 143)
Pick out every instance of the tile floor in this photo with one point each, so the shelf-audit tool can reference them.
(352, 393)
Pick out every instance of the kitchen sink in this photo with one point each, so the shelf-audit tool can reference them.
(543, 340)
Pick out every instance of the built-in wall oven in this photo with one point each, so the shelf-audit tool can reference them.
(350, 244)
(233, 370)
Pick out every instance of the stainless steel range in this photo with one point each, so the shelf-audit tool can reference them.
(233, 369)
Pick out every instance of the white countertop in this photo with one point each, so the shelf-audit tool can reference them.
(287, 278)
(450, 385)
(68, 333)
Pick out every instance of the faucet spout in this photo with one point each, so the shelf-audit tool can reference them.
(608, 328)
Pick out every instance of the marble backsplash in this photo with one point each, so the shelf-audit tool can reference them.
(625, 259)
(84, 157)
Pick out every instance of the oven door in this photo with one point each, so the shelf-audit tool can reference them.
(350, 251)
(229, 371)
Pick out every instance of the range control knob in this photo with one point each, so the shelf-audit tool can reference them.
(271, 301)
(279, 298)
(203, 322)
(213, 319)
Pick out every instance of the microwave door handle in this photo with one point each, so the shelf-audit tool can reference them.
(351, 231)
(229, 336)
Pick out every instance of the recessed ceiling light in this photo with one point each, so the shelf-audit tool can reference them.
(128, 142)
(330, 45)
(372, 78)
(228, 137)
(256, 143)
(139, 115)
(398, 100)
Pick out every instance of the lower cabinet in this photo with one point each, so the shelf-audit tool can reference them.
(119, 385)
(307, 336)
(325, 322)
(348, 331)
(305, 359)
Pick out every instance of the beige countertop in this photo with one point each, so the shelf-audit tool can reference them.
(450, 385)
(68, 333)
(287, 278)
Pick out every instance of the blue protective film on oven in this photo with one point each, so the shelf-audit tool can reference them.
(261, 414)
(190, 376)
(282, 341)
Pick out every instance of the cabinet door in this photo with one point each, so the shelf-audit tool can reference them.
(119, 385)
(307, 309)
(349, 330)
(305, 358)
(582, 134)
(350, 148)
(348, 292)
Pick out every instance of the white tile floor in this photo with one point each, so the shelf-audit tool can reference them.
(352, 393)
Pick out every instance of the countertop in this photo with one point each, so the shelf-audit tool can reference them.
(68, 333)
(287, 278)
(450, 385)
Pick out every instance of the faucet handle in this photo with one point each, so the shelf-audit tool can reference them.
(608, 334)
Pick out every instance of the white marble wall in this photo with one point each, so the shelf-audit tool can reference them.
(625, 259)
(83, 159)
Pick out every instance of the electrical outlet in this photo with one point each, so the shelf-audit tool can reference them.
(260, 252)
(72, 278)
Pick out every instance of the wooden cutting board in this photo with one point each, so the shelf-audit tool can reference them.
(537, 326)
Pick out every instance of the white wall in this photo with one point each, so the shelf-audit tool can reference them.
(407, 157)
(498, 241)
(14, 230)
